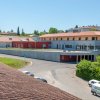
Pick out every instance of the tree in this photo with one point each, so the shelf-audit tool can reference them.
(12, 31)
(36, 32)
(42, 33)
(76, 26)
(60, 31)
(18, 31)
(0, 31)
(93, 29)
(23, 33)
(53, 30)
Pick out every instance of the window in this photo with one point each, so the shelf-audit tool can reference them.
(93, 38)
(67, 38)
(79, 38)
(10, 38)
(61, 38)
(57, 46)
(86, 38)
(68, 46)
(44, 46)
(56, 38)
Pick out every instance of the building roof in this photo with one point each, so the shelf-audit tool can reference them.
(14, 85)
(14, 38)
(7, 33)
(77, 34)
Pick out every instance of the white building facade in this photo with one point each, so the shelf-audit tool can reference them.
(82, 41)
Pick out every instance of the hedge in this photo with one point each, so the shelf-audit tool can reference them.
(89, 70)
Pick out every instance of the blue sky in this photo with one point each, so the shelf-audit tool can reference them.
(43, 14)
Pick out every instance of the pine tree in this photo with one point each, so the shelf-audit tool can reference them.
(18, 31)
(23, 33)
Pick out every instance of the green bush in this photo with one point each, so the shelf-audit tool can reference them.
(96, 70)
(98, 59)
(84, 69)
(89, 70)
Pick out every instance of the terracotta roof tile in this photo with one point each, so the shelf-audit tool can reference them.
(15, 85)
(14, 38)
(89, 33)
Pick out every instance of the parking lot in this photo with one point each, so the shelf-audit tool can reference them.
(61, 75)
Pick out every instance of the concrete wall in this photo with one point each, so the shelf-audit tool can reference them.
(51, 56)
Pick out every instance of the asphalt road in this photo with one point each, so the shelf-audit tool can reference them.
(61, 75)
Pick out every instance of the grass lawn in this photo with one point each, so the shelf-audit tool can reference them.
(12, 62)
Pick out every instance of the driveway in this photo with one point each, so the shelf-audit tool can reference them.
(61, 75)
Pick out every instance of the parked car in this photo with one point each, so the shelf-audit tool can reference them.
(95, 89)
(31, 74)
(28, 73)
(41, 79)
(91, 82)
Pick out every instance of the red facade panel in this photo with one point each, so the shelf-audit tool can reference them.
(67, 58)
(25, 44)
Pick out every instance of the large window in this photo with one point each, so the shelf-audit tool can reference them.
(68, 46)
(94, 38)
(97, 46)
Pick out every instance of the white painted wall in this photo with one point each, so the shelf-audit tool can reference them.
(73, 43)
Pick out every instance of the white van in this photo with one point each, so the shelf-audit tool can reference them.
(95, 89)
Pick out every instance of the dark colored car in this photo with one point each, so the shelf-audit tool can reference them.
(42, 79)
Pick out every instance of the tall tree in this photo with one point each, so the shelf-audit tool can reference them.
(53, 30)
(76, 26)
(18, 31)
(23, 33)
(12, 31)
(36, 32)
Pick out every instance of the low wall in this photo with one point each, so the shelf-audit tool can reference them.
(43, 55)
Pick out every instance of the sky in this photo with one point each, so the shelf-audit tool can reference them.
(42, 14)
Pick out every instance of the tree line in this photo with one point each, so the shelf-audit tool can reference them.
(37, 33)
(51, 30)
(12, 31)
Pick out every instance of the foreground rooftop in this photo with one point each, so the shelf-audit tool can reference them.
(14, 85)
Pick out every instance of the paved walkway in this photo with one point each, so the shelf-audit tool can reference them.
(61, 75)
